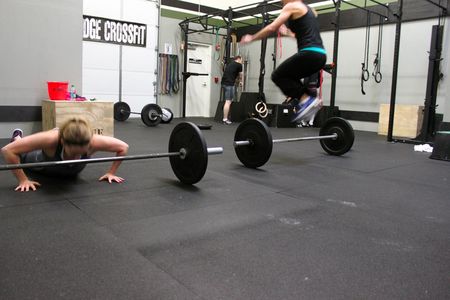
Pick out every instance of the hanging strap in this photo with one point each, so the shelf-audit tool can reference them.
(168, 75)
(275, 51)
(320, 83)
(364, 69)
(162, 74)
(377, 61)
(279, 45)
(234, 44)
(174, 69)
(217, 46)
(222, 54)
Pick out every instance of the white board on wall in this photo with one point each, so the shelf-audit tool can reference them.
(113, 72)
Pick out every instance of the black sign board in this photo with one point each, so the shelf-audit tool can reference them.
(96, 29)
(195, 61)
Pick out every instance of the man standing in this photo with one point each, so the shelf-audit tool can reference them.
(233, 71)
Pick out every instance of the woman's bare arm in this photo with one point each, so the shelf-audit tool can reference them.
(46, 140)
(109, 144)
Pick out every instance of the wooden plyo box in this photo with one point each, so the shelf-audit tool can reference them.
(99, 113)
(407, 120)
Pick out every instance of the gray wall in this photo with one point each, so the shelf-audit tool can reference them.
(41, 41)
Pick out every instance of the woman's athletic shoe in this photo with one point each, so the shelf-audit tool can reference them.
(308, 108)
(309, 117)
(17, 132)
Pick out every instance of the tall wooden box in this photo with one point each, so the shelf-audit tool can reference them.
(100, 114)
(407, 120)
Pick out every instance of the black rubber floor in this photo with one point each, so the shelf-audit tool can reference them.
(372, 224)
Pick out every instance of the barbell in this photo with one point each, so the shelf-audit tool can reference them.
(253, 141)
(188, 155)
(151, 114)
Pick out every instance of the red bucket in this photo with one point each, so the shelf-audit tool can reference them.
(57, 90)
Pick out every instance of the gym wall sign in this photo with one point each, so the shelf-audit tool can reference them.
(96, 29)
(195, 61)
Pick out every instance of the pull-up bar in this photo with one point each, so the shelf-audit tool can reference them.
(438, 5)
(236, 12)
(365, 9)
(259, 4)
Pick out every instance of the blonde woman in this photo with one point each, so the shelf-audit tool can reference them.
(73, 140)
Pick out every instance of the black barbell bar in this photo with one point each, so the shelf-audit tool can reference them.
(307, 138)
(182, 154)
(188, 155)
(253, 141)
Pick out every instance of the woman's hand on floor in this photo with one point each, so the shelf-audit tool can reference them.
(111, 178)
(26, 185)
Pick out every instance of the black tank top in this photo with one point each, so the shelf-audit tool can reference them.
(306, 29)
(59, 153)
(62, 170)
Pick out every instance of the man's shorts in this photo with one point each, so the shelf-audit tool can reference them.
(228, 92)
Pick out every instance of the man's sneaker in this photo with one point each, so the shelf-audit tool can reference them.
(17, 132)
(307, 109)
(226, 122)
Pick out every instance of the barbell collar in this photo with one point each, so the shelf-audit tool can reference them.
(307, 138)
(237, 144)
(215, 150)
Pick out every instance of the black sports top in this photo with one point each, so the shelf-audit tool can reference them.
(231, 72)
(62, 170)
(306, 29)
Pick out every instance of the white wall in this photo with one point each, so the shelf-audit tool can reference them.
(412, 75)
(171, 33)
(101, 62)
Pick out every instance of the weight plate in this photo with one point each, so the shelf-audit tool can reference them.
(345, 139)
(192, 168)
(151, 114)
(121, 111)
(167, 115)
(258, 153)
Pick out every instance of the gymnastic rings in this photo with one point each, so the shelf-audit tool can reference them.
(261, 109)
(365, 73)
(377, 77)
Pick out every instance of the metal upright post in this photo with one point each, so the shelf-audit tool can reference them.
(428, 129)
(228, 41)
(185, 29)
(398, 30)
(262, 59)
(337, 22)
(158, 62)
